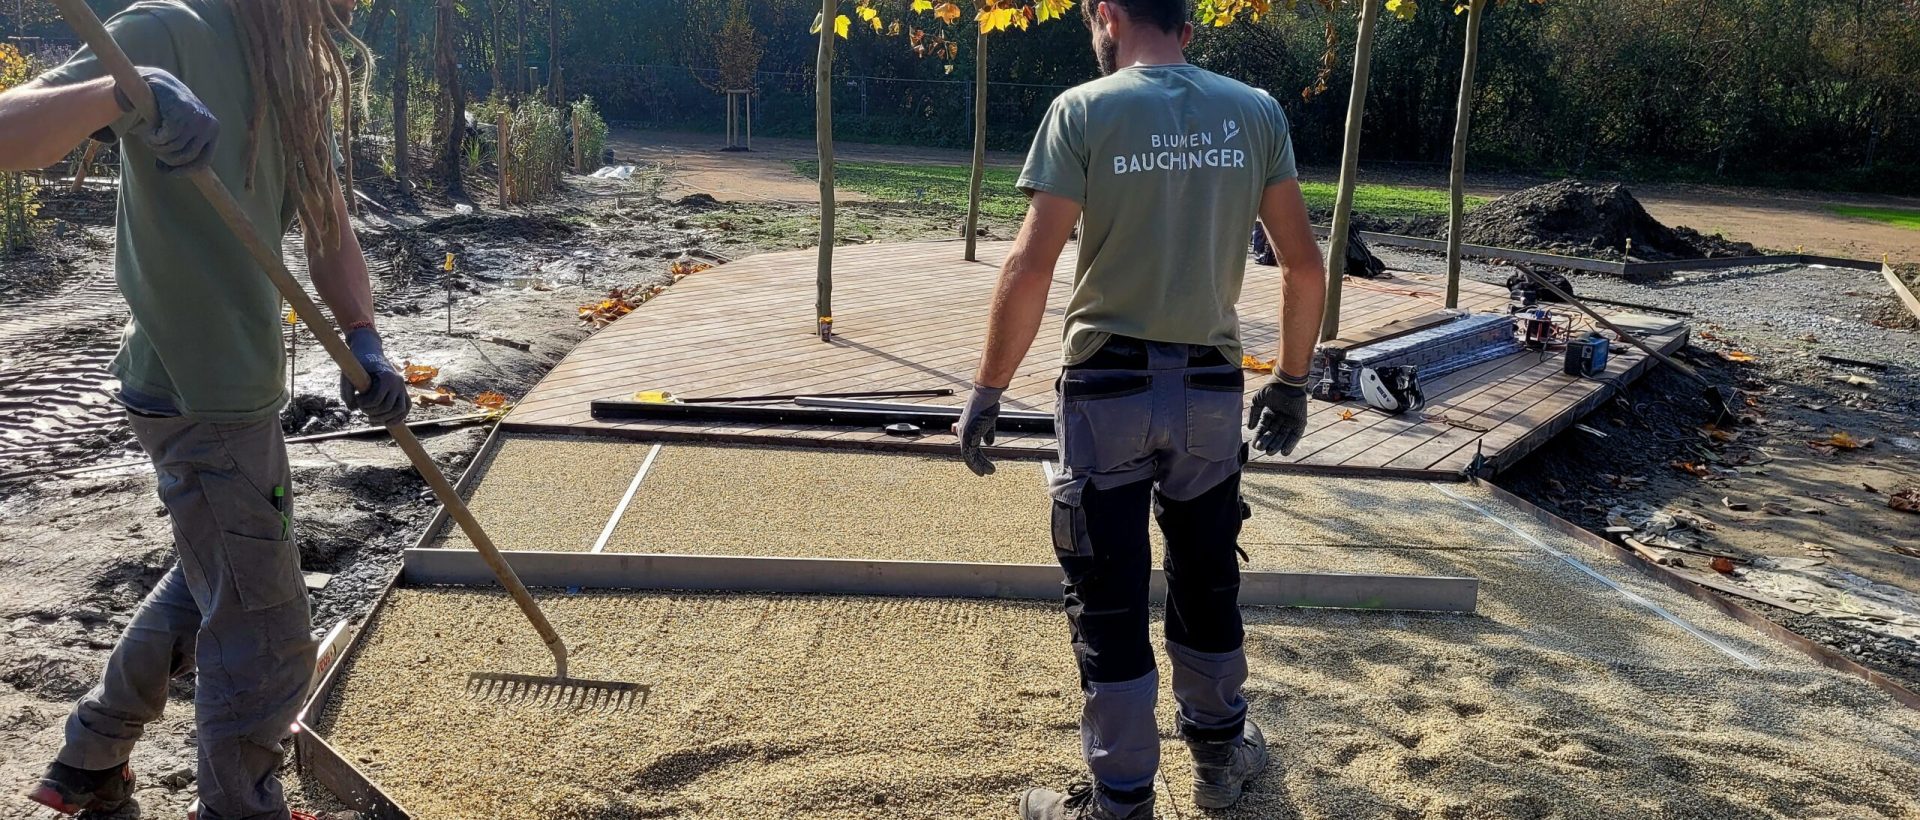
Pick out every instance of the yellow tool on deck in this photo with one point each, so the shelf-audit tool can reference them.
(559, 690)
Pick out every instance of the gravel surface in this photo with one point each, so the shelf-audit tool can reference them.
(1560, 698)
(549, 492)
(720, 500)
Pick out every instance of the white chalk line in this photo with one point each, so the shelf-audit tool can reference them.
(1630, 595)
(614, 520)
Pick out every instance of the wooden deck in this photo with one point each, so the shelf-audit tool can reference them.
(912, 316)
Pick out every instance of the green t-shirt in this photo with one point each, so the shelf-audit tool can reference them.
(205, 332)
(1168, 164)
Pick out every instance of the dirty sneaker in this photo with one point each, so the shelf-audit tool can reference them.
(68, 790)
(1081, 802)
(1221, 770)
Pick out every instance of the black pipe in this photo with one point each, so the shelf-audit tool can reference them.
(933, 419)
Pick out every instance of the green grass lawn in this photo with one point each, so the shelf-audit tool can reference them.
(946, 186)
(1899, 217)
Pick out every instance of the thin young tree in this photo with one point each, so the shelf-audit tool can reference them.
(823, 140)
(402, 78)
(1457, 174)
(1349, 168)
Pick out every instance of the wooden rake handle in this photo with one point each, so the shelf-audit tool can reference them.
(130, 83)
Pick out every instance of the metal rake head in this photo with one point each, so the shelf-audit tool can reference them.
(570, 694)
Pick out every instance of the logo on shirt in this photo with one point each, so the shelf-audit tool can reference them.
(1184, 152)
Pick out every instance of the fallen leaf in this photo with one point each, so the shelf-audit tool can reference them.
(682, 268)
(1907, 500)
(1692, 468)
(1722, 565)
(1257, 365)
(1716, 433)
(1346, 415)
(491, 400)
(440, 396)
(1737, 356)
(1840, 440)
(418, 373)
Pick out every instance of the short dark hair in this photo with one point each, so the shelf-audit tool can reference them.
(1166, 15)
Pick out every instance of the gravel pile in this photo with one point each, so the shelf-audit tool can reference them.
(548, 492)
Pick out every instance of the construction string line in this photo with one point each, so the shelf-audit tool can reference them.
(1630, 595)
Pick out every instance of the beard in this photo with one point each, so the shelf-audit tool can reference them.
(1106, 52)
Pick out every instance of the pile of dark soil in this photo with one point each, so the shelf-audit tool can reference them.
(1581, 219)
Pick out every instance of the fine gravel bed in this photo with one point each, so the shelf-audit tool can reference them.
(761, 707)
(548, 492)
(1560, 698)
(723, 500)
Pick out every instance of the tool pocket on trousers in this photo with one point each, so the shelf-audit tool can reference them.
(264, 573)
(1105, 418)
(1070, 531)
(1214, 401)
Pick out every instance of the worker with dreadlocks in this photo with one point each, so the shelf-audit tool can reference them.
(1164, 166)
(246, 88)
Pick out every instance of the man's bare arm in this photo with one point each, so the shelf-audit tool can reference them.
(340, 272)
(1020, 299)
(40, 123)
(1303, 287)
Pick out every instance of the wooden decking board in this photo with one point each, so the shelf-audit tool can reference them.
(914, 315)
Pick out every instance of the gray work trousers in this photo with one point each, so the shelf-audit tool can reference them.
(1150, 426)
(233, 608)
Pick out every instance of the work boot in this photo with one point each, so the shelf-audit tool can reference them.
(68, 790)
(1081, 802)
(193, 812)
(1221, 770)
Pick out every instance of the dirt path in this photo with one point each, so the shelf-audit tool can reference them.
(1770, 218)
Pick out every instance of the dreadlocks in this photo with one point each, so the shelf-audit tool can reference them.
(298, 73)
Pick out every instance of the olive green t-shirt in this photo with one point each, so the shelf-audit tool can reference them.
(1168, 164)
(205, 332)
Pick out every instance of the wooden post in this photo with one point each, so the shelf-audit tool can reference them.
(86, 165)
(1457, 178)
(1349, 168)
(578, 145)
(823, 137)
(749, 119)
(979, 140)
(501, 151)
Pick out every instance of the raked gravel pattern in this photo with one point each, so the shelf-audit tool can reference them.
(548, 492)
(1562, 697)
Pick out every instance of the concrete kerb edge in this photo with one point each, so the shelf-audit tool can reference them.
(1825, 655)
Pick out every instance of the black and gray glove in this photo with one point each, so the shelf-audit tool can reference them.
(385, 399)
(182, 131)
(976, 426)
(1278, 414)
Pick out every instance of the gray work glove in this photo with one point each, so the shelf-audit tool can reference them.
(975, 428)
(1278, 415)
(385, 399)
(182, 131)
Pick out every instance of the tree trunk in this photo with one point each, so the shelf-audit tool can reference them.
(402, 58)
(1457, 178)
(499, 48)
(1349, 168)
(456, 101)
(520, 49)
(979, 141)
(553, 52)
(823, 137)
(376, 22)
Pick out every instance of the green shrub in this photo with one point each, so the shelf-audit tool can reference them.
(536, 152)
(591, 133)
(18, 208)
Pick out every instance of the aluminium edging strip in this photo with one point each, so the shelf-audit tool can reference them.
(925, 579)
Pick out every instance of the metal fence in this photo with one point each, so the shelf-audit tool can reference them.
(865, 108)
